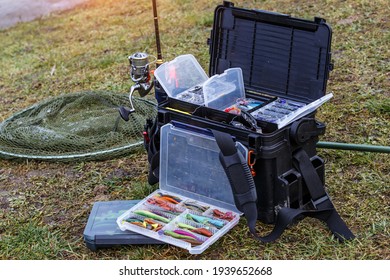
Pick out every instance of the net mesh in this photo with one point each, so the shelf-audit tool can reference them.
(79, 126)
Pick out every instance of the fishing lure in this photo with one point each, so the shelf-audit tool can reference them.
(186, 233)
(139, 223)
(160, 203)
(201, 231)
(177, 235)
(146, 223)
(216, 223)
(149, 214)
(185, 238)
(194, 242)
(222, 215)
(205, 220)
(198, 219)
(185, 226)
(233, 110)
(155, 226)
(133, 220)
(169, 198)
(196, 207)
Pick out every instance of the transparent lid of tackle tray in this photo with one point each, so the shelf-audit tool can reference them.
(190, 166)
(182, 78)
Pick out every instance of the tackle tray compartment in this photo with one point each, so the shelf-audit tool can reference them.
(194, 194)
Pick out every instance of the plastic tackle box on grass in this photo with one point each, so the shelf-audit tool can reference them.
(102, 230)
(194, 205)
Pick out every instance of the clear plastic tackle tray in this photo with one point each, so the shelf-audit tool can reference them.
(194, 205)
(182, 78)
(283, 112)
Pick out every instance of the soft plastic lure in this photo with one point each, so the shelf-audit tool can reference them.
(194, 206)
(201, 231)
(185, 226)
(198, 219)
(169, 198)
(149, 214)
(177, 235)
(146, 223)
(186, 233)
(160, 203)
(216, 223)
(205, 220)
(139, 223)
(185, 238)
(155, 226)
(133, 220)
(222, 215)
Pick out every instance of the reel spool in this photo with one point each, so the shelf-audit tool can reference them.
(140, 75)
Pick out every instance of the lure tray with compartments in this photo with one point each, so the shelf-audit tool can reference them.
(194, 205)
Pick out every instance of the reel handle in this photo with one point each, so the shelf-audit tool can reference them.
(125, 113)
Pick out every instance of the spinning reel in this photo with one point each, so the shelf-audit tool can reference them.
(140, 75)
(140, 72)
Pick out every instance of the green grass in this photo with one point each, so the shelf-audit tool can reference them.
(31, 241)
(44, 206)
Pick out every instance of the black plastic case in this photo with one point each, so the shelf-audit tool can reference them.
(102, 230)
(280, 56)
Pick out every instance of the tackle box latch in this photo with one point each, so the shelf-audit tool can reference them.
(306, 128)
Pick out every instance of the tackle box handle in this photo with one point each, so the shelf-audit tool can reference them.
(277, 18)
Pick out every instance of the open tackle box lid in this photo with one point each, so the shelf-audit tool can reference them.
(190, 170)
(279, 55)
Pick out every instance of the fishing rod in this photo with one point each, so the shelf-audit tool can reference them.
(159, 92)
(157, 33)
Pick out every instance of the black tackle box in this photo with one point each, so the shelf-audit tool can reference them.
(280, 57)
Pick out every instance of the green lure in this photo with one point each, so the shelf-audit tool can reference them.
(185, 226)
(189, 239)
(202, 231)
(151, 215)
(177, 235)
